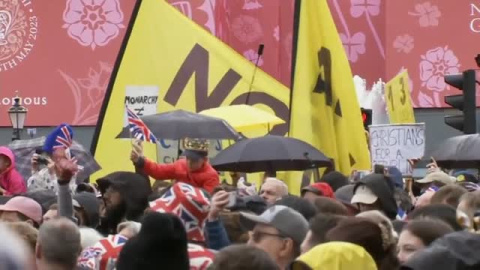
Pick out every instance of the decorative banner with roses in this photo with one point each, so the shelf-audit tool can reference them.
(59, 57)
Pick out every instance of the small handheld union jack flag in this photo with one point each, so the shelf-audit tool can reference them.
(138, 129)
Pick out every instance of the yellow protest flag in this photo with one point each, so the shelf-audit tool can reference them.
(324, 109)
(399, 103)
(192, 69)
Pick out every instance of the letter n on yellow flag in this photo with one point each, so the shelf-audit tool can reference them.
(325, 110)
(191, 69)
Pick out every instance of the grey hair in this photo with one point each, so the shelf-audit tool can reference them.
(14, 253)
(279, 183)
(89, 237)
(60, 242)
(133, 226)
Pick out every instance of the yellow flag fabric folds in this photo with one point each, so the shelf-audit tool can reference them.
(325, 109)
(192, 69)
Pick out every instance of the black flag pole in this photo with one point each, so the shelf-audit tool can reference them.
(260, 53)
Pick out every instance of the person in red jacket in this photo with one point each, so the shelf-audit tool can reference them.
(194, 169)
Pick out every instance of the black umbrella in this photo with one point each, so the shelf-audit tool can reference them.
(268, 154)
(459, 152)
(180, 124)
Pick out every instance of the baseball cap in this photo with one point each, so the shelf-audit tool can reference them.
(25, 206)
(364, 195)
(287, 221)
(437, 176)
(465, 176)
(321, 189)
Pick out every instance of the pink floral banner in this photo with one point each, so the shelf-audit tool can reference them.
(59, 56)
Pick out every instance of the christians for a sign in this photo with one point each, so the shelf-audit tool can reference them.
(394, 145)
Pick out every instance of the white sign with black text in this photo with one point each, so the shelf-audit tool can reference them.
(394, 145)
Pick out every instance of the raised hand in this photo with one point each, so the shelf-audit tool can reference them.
(137, 151)
(63, 166)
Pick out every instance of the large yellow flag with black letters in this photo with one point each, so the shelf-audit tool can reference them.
(325, 109)
(191, 69)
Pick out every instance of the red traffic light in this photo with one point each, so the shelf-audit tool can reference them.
(366, 117)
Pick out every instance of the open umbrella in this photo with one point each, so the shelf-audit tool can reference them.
(180, 124)
(459, 152)
(245, 117)
(270, 153)
(24, 150)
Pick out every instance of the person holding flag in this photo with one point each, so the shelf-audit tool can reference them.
(194, 169)
(43, 162)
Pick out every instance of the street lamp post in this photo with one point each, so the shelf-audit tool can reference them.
(17, 114)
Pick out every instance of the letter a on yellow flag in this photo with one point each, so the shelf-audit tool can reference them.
(192, 70)
(325, 110)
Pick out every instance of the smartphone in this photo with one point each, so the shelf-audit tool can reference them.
(41, 160)
(357, 175)
(232, 200)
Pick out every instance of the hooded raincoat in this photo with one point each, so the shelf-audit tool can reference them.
(10, 179)
(335, 256)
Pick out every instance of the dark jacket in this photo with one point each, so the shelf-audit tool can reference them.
(216, 235)
(383, 188)
(161, 244)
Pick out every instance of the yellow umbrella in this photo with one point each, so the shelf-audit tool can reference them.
(244, 117)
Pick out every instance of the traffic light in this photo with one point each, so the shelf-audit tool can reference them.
(466, 102)
(366, 117)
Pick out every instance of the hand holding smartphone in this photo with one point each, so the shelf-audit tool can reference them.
(232, 200)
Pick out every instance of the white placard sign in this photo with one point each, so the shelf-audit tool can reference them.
(142, 99)
(393, 145)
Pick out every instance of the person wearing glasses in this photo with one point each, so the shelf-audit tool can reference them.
(279, 231)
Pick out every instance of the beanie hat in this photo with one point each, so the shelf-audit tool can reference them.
(162, 241)
(61, 137)
(188, 203)
(335, 179)
(321, 189)
(90, 204)
(396, 176)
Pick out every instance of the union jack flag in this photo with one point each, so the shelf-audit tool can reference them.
(103, 255)
(200, 258)
(432, 189)
(64, 138)
(189, 204)
(138, 129)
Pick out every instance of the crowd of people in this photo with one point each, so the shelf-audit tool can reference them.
(120, 221)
